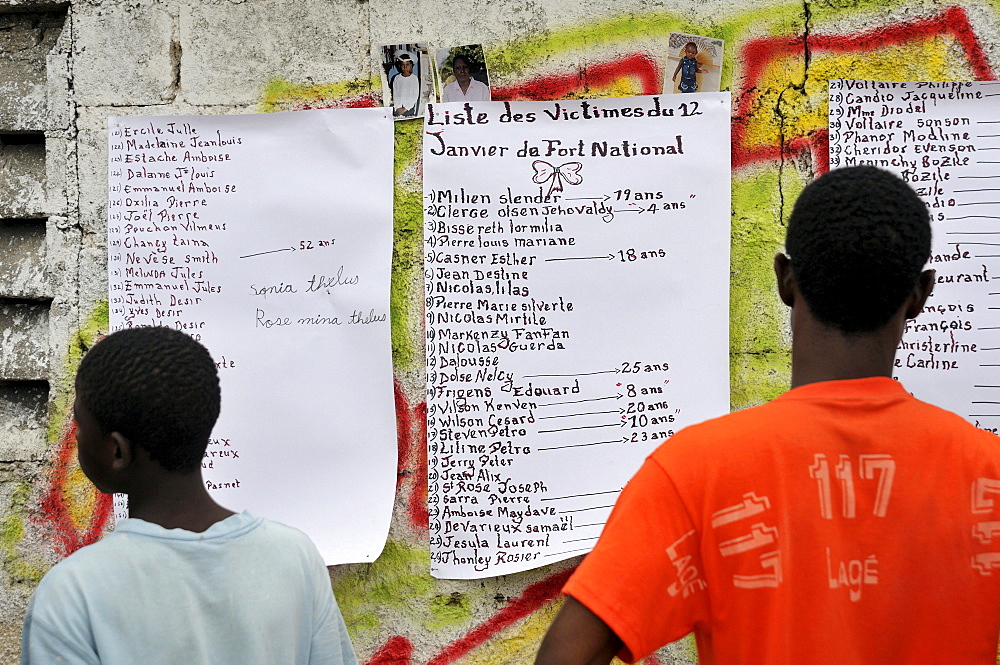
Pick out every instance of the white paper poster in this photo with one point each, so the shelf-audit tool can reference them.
(269, 239)
(577, 289)
(944, 139)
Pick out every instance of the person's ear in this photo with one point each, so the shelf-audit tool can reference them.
(123, 452)
(921, 292)
(783, 275)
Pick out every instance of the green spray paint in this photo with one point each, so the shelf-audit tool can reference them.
(395, 580)
(95, 326)
(448, 609)
(406, 291)
(515, 58)
(12, 528)
(279, 95)
(13, 525)
(758, 335)
(398, 580)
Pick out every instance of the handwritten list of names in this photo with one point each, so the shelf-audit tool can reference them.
(943, 139)
(268, 238)
(576, 282)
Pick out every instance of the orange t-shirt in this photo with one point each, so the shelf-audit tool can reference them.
(845, 522)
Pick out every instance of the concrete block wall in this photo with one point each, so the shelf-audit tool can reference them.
(30, 247)
(65, 67)
(37, 276)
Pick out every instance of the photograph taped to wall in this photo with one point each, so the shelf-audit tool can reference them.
(406, 78)
(694, 63)
(461, 74)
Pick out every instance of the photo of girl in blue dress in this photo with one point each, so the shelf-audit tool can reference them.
(696, 61)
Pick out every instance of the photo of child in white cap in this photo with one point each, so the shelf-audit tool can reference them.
(405, 79)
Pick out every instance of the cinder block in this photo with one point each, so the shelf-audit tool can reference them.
(92, 167)
(29, 6)
(60, 106)
(26, 39)
(479, 22)
(93, 278)
(22, 259)
(22, 180)
(297, 40)
(24, 341)
(58, 151)
(22, 95)
(23, 408)
(62, 251)
(62, 241)
(121, 53)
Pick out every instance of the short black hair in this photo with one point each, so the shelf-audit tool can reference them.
(463, 58)
(158, 387)
(858, 239)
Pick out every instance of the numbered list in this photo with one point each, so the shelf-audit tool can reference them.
(268, 239)
(944, 140)
(574, 297)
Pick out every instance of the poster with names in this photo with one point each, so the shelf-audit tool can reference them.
(944, 140)
(577, 312)
(268, 238)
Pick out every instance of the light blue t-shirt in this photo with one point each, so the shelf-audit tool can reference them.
(245, 591)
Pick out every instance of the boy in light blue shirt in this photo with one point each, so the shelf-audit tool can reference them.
(183, 580)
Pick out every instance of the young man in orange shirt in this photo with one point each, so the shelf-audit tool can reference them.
(844, 522)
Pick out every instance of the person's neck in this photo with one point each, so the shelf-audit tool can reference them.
(465, 86)
(176, 501)
(822, 353)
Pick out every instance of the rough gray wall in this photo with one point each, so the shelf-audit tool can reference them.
(34, 255)
(37, 251)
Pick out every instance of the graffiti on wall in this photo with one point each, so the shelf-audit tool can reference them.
(777, 65)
